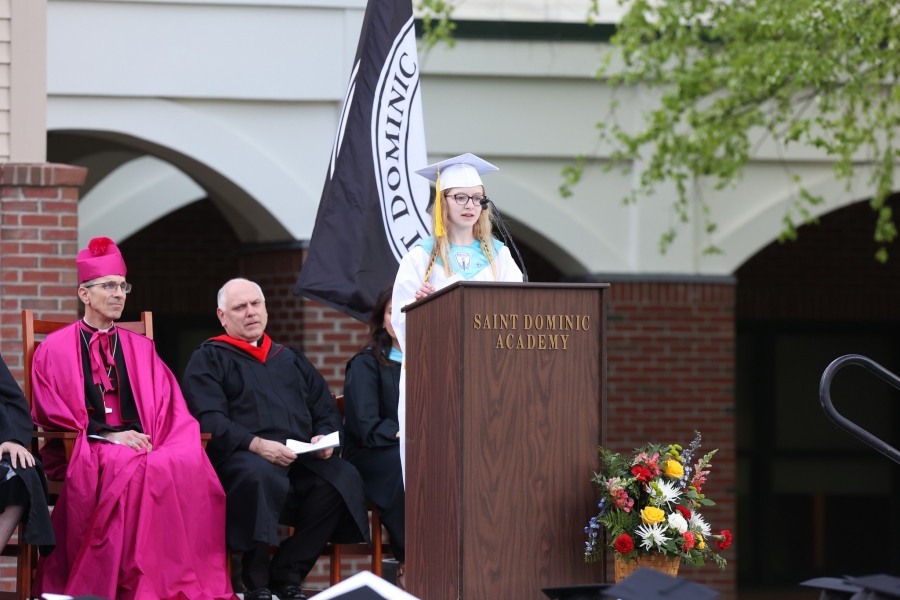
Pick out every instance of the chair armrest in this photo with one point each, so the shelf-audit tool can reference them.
(57, 435)
(204, 439)
(68, 438)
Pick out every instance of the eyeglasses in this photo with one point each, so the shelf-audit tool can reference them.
(110, 286)
(463, 199)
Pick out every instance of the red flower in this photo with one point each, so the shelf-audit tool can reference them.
(684, 512)
(624, 544)
(726, 542)
(689, 541)
(641, 473)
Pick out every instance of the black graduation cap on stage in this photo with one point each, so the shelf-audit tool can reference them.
(833, 588)
(647, 584)
(870, 587)
(588, 591)
(885, 585)
(364, 586)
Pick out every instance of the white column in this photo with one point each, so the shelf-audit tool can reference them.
(27, 116)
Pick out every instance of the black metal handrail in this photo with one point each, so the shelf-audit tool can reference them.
(846, 424)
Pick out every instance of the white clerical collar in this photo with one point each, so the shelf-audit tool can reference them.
(108, 329)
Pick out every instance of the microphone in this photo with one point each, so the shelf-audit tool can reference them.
(505, 233)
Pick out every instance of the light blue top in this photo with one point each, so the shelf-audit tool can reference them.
(464, 260)
(396, 355)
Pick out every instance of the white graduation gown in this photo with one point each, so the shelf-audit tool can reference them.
(410, 278)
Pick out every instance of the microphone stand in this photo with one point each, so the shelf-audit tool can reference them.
(505, 232)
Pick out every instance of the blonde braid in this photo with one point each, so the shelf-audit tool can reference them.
(430, 266)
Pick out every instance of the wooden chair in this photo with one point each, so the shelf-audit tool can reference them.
(32, 327)
(26, 555)
(378, 549)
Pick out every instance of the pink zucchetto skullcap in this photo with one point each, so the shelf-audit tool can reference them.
(99, 259)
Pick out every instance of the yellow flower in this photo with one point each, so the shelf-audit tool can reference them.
(651, 515)
(700, 543)
(674, 469)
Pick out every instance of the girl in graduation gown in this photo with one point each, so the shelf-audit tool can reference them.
(371, 428)
(461, 248)
(23, 488)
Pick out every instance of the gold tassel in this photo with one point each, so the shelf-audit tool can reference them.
(438, 215)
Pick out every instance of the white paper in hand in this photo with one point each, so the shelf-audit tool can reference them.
(100, 438)
(332, 440)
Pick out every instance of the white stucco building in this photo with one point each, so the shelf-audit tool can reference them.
(239, 100)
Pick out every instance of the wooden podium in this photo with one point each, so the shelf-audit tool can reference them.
(506, 401)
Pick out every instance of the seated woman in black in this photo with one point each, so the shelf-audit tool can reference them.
(371, 429)
(23, 488)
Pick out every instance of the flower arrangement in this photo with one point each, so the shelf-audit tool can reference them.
(650, 506)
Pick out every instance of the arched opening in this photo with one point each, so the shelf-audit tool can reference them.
(182, 228)
(133, 182)
(807, 491)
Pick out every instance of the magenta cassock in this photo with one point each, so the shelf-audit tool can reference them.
(130, 525)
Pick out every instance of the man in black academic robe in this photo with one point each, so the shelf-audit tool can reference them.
(253, 395)
(23, 488)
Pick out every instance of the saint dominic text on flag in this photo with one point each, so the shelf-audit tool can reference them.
(373, 205)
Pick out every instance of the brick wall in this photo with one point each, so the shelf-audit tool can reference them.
(330, 339)
(38, 244)
(38, 233)
(671, 372)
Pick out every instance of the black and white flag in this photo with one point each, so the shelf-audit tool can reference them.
(373, 205)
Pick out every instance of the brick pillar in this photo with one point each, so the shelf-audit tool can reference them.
(38, 245)
(327, 337)
(671, 372)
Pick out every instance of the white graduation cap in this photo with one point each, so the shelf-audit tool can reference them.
(464, 170)
(364, 586)
(460, 171)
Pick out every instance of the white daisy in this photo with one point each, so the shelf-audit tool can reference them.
(664, 492)
(677, 522)
(652, 535)
(699, 524)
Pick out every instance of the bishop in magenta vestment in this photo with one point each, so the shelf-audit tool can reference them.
(130, 524)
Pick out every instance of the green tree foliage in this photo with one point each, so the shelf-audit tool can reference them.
(735, 73)
(437, 20)
(732, 73)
